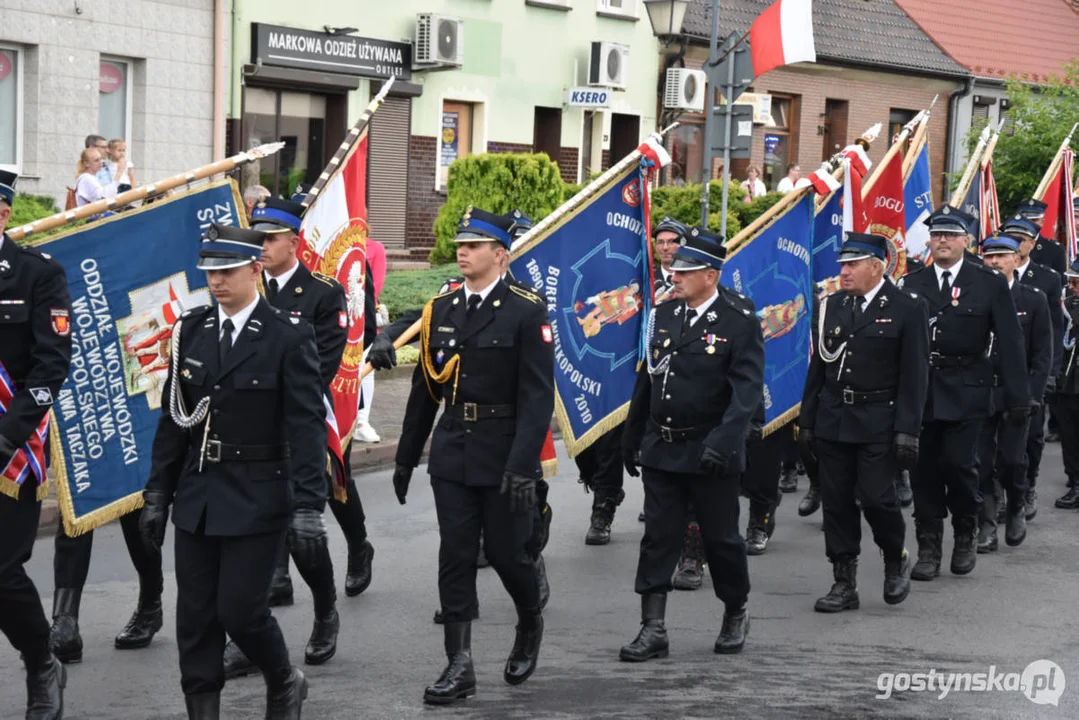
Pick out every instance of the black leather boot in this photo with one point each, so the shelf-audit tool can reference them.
(1015, 529)
(811, 502)
(64, 638)
(1002, 508)
(203, 706)
(281, 587)
(322, 645)
(1030, 503)
(732, 636)
(788, 479)
(526, 646)
(143, 625)
(844, 592)
(930, 535)
(458, 680)
(481, 556)
(761, 517)
(45, 690)
(604, 504)
(987, 525)
(902, 489)
(897, 578)
(284, 700)
(236, 663)
(543, 533)
(651, 641)
(690, 571)
(1070, 499)
(358, 577)
(440, 618)
(964, 556)
(541, 580)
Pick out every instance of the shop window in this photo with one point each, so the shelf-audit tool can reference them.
(685, 142)
(297, 119)
(455, 137)
(10, 108)
(780, 142)
(114, 99)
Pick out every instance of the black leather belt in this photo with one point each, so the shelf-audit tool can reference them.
(669, 434)
(945, 361)
(854, 397)
(471, 412)
(217, 451)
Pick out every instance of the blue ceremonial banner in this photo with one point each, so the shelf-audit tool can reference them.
(827, 239)
(774, 269)
(592, 267)
(130, 275)
(918, 205)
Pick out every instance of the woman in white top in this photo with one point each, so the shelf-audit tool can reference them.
(754, 186)
(117, 157)
(88, 188)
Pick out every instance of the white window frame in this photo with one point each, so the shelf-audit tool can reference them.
(551, 4)
(604, 7)
(129, 94)
(20, 107)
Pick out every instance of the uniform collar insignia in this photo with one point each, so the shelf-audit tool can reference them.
(5, 265)
(711, 316)
(678, 311)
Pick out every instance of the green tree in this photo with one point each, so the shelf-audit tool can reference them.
(1043, 116)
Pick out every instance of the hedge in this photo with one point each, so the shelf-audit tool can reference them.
(28, 208)
(408, 289)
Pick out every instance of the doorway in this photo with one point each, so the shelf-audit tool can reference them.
(625, 135)
(298, 119)
(835, 127)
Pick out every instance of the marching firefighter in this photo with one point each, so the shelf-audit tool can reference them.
(1067, 401)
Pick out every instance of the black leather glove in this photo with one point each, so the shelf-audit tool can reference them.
(402, 476)
(1017, 416)
(807, 449)
(631, 461)
(306, 532)
(522, 492)
(154, 518)
(382, 354)
(906, 451)
(713, 462)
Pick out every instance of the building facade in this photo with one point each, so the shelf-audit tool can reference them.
(129, 69)
(491, 77)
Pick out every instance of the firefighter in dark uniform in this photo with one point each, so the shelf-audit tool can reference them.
(35, 352)
(1067, 400)
(697, 392)
(810, 502)
(1044, 278)
(760, 481)
(862, 414)
(968, 305)
(487, 351)
(1046, 251)
(319, 300)
(1002, 446)
(240, 458)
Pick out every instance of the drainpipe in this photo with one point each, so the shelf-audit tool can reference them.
(220, 77)
(952, 138)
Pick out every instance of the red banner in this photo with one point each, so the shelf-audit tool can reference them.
(884, 207)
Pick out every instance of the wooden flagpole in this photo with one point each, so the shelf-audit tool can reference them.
(973, 163)
(1054, 166)
(143, 192)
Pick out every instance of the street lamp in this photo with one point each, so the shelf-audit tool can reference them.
(666, 16)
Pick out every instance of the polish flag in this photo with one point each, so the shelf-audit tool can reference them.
(1059, 222)
(781, 35)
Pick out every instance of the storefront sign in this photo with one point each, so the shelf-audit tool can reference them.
(588, 97)
(5, 64)
(451, 128)
(110, 78)
(346, 54)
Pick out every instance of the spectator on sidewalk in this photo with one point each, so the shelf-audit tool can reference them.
(753, 185)
(376, 258)
(786, 185)
(252, 195)
(88, 188)
(117, 156)
(102, 146)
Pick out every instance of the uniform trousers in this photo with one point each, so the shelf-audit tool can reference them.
(667, 496)
(760, 481)
(223, 586)
(787, 446)
(1067, 409)
(1035, 444)
(22, 619)
(71, 559)
(463, 510)
(600, 464)
(947, 476)
(1002, 453)
(350, 515)
(864, 472)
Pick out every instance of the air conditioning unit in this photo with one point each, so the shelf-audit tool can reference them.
(439, 41)
(609, 66)
(685, 90)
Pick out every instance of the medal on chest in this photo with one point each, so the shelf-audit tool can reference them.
(955, 296)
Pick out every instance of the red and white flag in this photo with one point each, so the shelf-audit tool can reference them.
(1059, 222)
(989, 214)
(781, 35)
(885, 213)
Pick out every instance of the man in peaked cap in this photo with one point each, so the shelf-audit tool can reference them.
(1046, 251)
(1030, 273)
(1002, 449)
(696, 394)
(968, 306)
(35, 354)
(1067, 403)
(487, 351)
(239, 459)
(862, 414)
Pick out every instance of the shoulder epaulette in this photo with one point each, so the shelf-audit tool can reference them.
(35, 252)
(326, 279)
(738, 301)
(196, 312)
(529, 295)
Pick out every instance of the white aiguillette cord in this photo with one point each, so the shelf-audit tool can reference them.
(825, 355)
(177, 408)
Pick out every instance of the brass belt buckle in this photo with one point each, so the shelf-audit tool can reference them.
(213, 451)
(470, 412)
(848, 396)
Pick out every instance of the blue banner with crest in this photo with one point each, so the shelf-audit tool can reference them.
(592, 267)
(827, 239)
(774, 268)
(130, 276)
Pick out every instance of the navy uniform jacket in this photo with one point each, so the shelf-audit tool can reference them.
(35, 335)
(1069, 371)
(1033, 313)
(267, 397)
(506, 356)
(1048, 282)
(960, 373)
(1051, 254)
(885, 358)
(320, 300)
(711, 389)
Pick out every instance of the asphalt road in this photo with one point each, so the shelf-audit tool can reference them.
(1018, 606)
